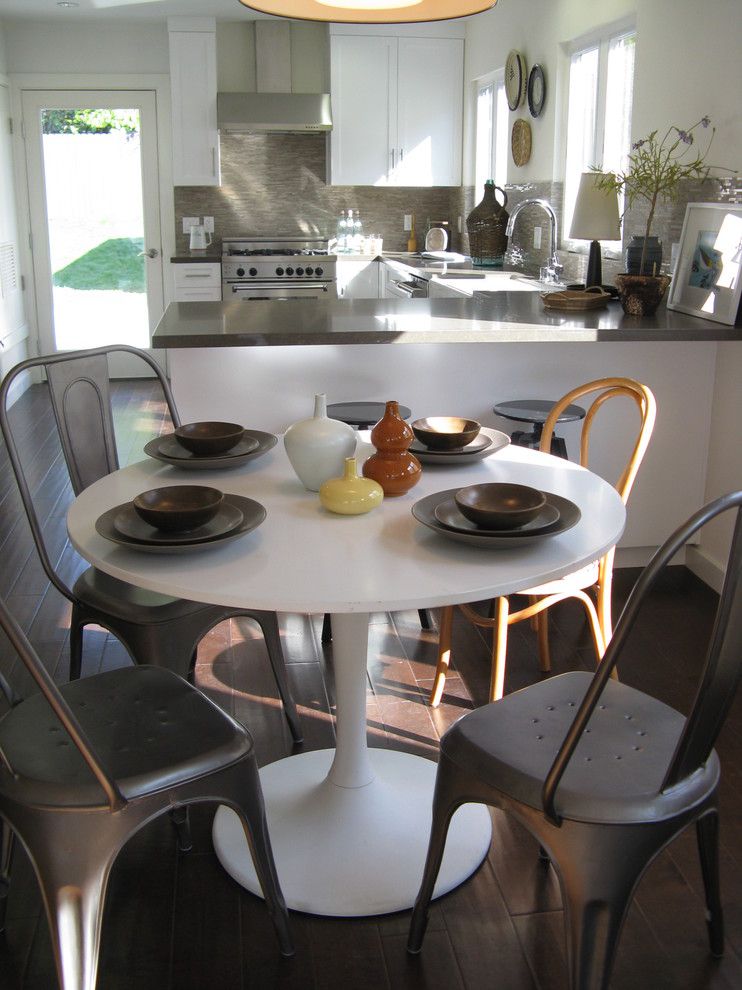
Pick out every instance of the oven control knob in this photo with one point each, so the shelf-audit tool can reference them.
(318, 271)
(240, 272)
(289, 271)
(279, 271)
(253, 271)
(310, 271)
(299, 271)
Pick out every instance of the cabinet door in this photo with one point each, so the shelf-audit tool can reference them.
(364, 109)
(193, 86)
(430, 88)
(357, 278)
(194, 281)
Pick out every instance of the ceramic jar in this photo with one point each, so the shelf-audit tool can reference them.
(652, 255)
(486, 225)
(393, 466)
(351, 495)
(317, 447)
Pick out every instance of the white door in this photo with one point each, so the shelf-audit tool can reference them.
(95, 218)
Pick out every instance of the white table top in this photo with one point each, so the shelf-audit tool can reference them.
(305, 559)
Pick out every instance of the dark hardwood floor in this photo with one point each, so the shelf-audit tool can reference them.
(180, 922)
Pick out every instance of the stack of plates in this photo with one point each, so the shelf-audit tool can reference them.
(253, 444)
(440, 513)
(485, 443)
(237, 516)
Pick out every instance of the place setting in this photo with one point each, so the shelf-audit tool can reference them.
(180, 518)
(447, 440)
(210, 446)
(496, 515)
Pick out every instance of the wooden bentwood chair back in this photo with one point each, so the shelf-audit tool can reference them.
(608, 777)
(595, 579)
(80, 775)
(154, 628)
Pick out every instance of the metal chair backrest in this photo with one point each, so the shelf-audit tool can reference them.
(721, 673)
(608, 388)
(81, 400)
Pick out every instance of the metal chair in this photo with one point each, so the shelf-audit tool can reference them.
(596, 577)
(87, 765)
(603, 775)
(154, 628)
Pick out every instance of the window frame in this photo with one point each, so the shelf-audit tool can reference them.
(496, 80)
(601, 39)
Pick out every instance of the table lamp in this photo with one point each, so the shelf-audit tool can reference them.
(595, 219)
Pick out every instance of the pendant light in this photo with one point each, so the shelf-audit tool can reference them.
(370, 11)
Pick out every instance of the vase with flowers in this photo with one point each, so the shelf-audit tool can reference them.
(654, 172)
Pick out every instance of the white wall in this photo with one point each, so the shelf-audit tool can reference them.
(3, 56)
(86, 47)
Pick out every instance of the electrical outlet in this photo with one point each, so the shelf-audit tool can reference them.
(189, 222)
(407, 221)
(537, 237)
(209, 225)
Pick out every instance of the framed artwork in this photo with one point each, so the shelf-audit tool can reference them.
(707, 280)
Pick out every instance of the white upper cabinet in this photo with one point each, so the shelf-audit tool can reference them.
(193, 88)
(397, 110)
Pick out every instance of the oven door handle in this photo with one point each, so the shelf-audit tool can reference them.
(285, 286)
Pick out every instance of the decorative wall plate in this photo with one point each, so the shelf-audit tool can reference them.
(536, 90)
(515, 79)
(520, 141)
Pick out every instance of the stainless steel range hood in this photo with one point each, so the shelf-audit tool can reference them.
(250, 113)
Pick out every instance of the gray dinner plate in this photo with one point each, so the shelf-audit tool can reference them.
(480, 442)
(130, 524)
(464, 455)
(448, 514)
(424, 512)
(253, 444)
(253, 513)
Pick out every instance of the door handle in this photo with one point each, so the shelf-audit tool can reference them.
(149, 253)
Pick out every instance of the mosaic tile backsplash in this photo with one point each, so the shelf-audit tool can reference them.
(276, 184)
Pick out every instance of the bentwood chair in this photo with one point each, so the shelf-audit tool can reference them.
(603, 775)
(154, 628)
(595, 578)
(87, 765)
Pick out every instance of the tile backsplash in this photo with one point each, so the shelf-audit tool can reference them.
(276, 184)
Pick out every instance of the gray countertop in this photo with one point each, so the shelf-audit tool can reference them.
(510, 317)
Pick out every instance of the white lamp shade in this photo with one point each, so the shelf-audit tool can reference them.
(370, 11)
(596, 211)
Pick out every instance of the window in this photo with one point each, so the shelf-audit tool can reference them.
(491, 148)
(601, 86)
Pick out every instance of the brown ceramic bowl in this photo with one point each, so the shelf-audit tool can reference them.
(178, 507)
(445, 432)
(500, 506)
(209, 439)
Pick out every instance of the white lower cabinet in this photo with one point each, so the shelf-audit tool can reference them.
(197, 281)
(357, 278)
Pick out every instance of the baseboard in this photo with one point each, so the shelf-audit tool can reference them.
(707, 568)
(640, 556)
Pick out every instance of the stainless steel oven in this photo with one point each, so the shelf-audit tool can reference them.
(255, 268)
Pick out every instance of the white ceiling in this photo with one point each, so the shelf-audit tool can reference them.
(120, 10)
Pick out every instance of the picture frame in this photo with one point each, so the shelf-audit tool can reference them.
(707, 280)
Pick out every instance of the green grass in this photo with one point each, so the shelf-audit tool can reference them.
(113, 264)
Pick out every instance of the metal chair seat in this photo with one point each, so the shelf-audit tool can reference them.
(616, 773)
(151, 726)
(120, 599)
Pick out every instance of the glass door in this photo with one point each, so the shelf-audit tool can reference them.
(95, 218)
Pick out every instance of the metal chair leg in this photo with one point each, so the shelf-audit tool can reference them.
(426, 620)
(7, 843)
(76, 636)
(182, 825)
(327, 628)
(707, 834)
(268, 622)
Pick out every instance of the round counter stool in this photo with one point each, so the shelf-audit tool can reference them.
(535, 411)
(361, 415)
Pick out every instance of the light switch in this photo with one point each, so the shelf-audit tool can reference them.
(189, 222)
(209, 225)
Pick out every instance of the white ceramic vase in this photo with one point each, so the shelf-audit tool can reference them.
(317, 447)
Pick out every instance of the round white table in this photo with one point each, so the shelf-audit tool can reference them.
(349, 826)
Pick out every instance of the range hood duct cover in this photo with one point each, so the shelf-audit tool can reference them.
(254, 113)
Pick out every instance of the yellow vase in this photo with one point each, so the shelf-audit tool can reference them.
(351, 495)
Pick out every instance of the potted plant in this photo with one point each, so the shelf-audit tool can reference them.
(654, 172)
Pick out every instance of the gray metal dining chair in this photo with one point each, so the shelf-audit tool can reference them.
(603, 775)
(87, 765)
(155, 629)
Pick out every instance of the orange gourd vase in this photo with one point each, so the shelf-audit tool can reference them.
(393, 466)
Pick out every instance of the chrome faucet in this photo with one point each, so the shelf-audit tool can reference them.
(553, 270)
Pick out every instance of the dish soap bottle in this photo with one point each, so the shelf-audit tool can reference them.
(412, 239)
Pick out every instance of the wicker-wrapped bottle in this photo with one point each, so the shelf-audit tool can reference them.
(486, 228)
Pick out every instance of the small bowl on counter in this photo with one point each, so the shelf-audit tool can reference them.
(499, 505)
(178, 508)
(209, 439)
(445, 432)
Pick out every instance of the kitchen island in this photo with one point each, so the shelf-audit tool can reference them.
(261, 363)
